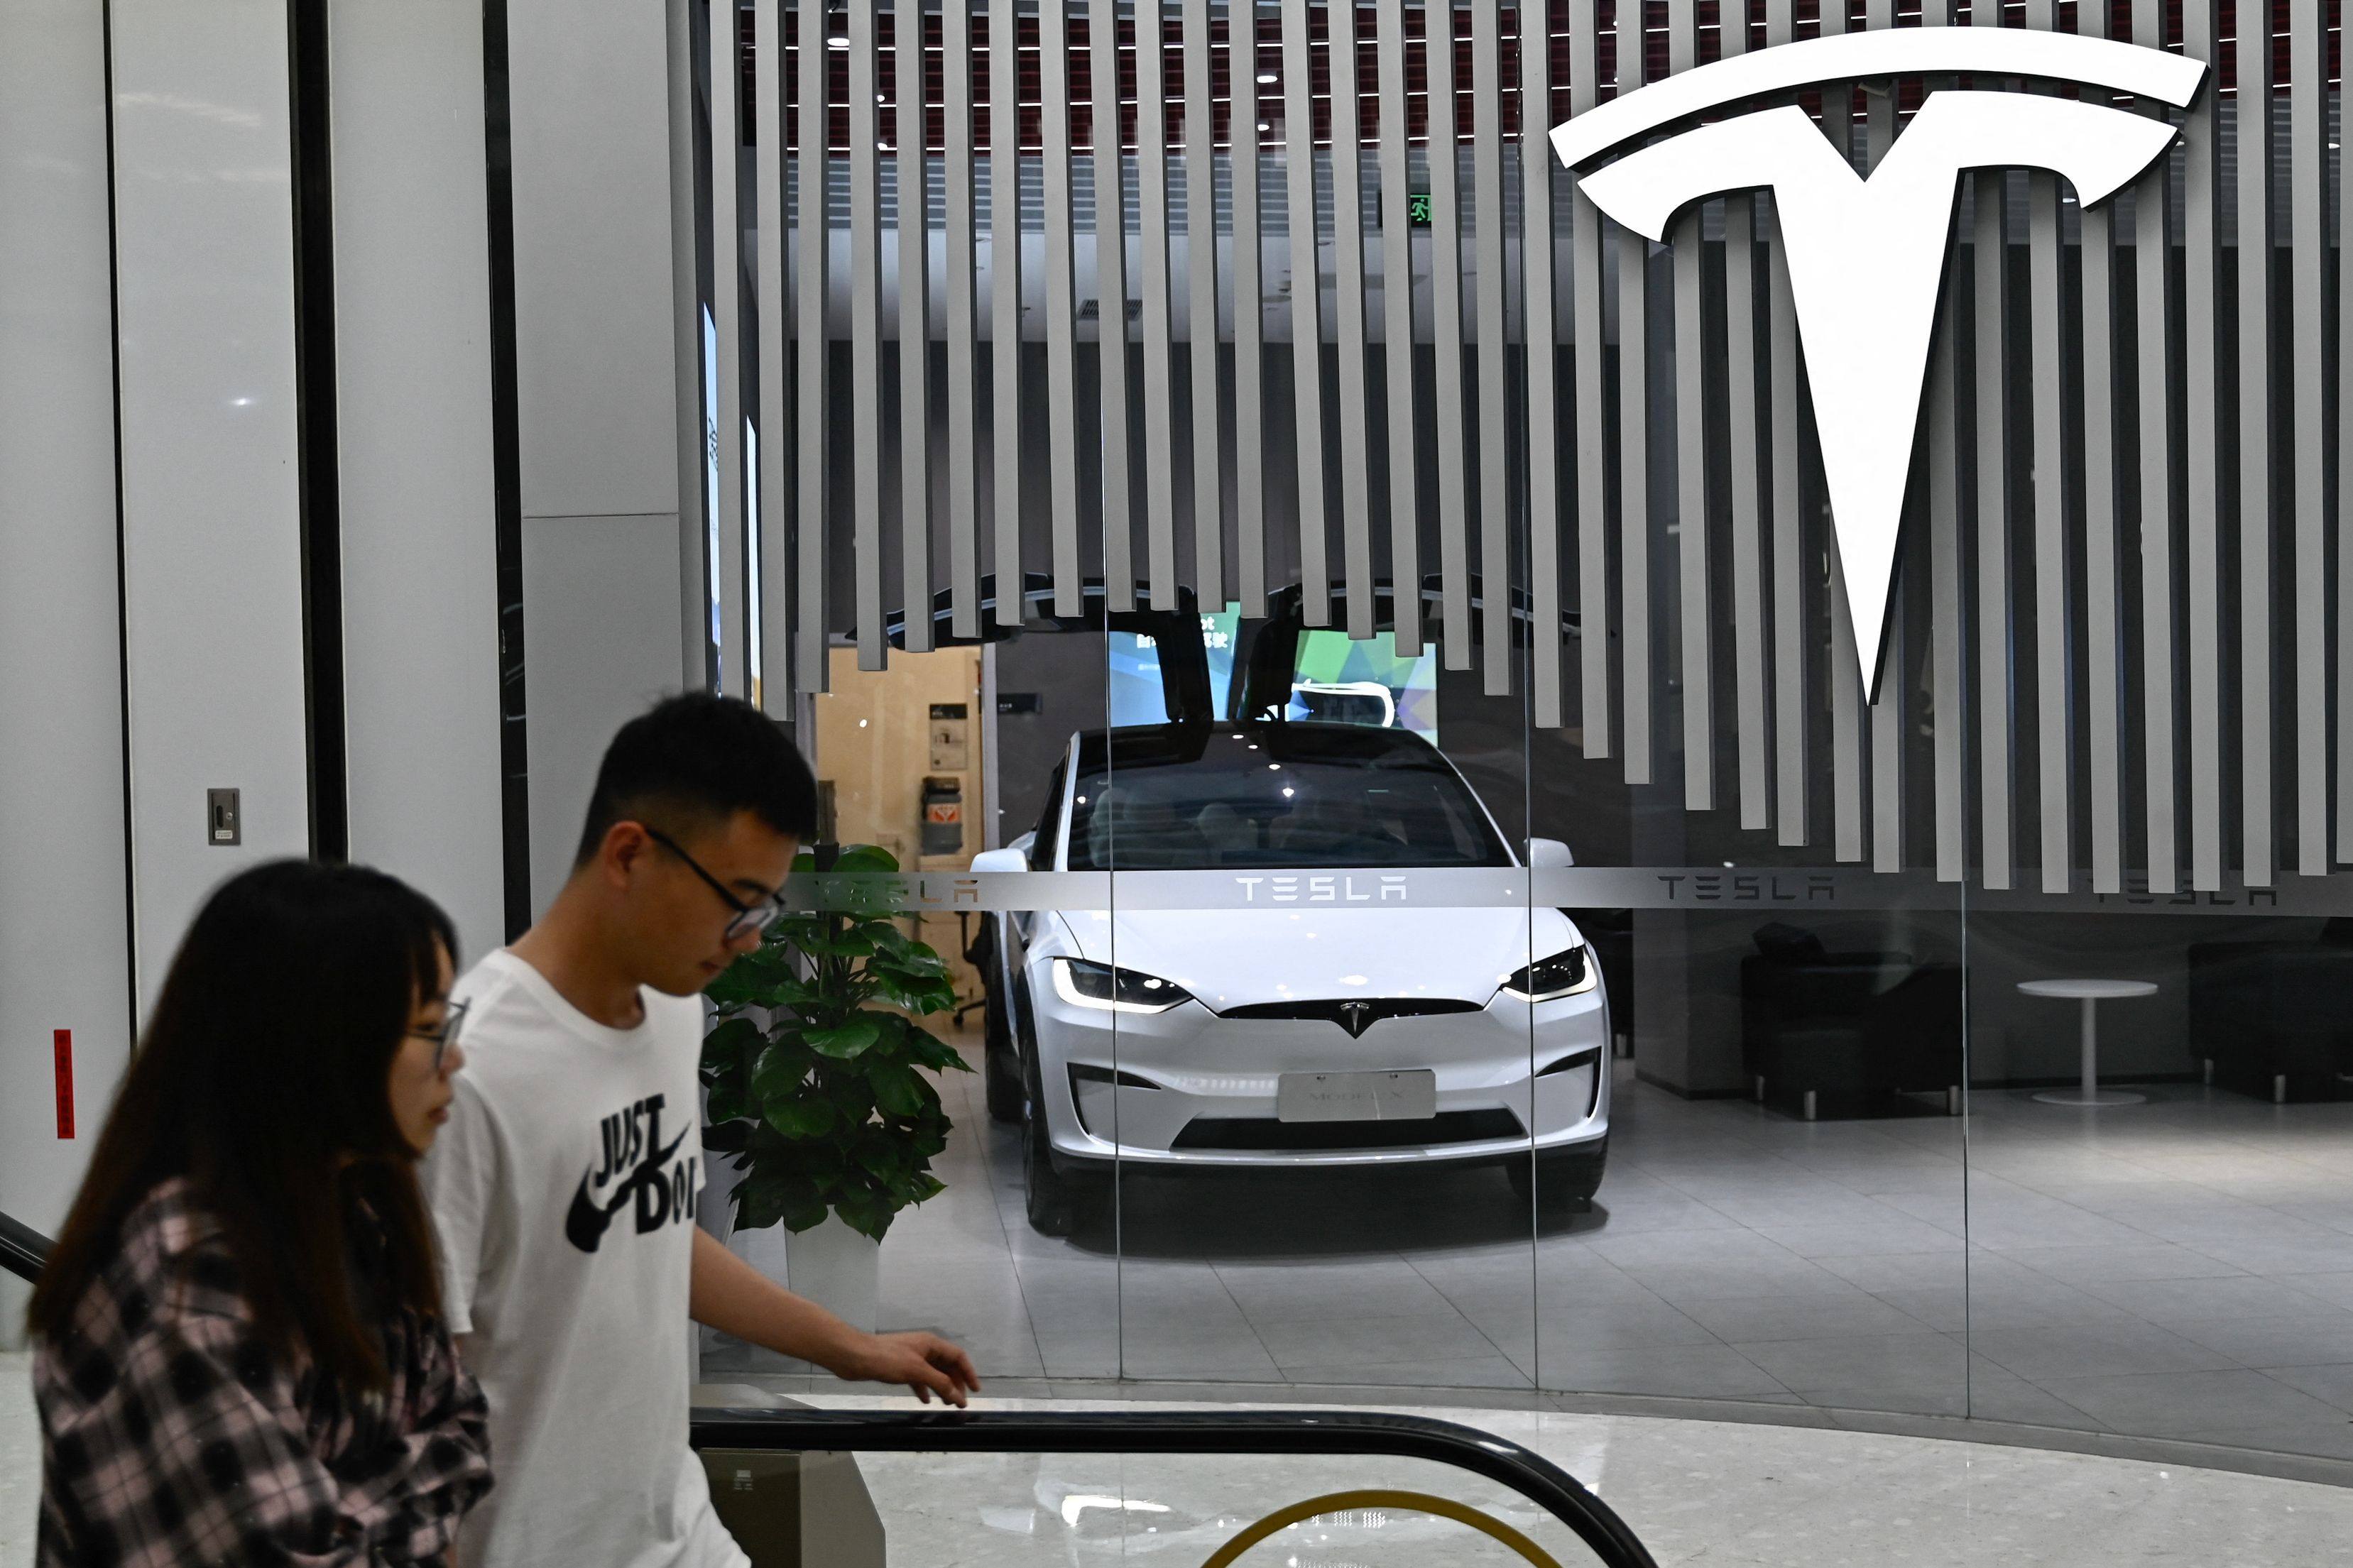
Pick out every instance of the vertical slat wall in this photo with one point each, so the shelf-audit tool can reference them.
(1790, 641)
(1844, 674)
(771, 600)
(2098, 327)
(2153, 399)
(1006, 335)
(2148, 546)
(1631, 272)
(1306, 293)
(812, 238)
(1884, 718)
(1201, 309)
(1494, 442)
(1694, 525)
(1548, 524)
(1988, 299)
(2202, 568)
(1249, 293)
(1397, 334)
(1446, 337)
(1348, 325)
(726, 313)
(914, 267)
(2308, 214)
(1592, 425)
(1058, 224)
(1743, 483)
(2344, 520)
(2046, 428)
(1117, 525)
(1941, 409)
(2255, 455)
(964, 501)
(866, 335)
(1153, 280)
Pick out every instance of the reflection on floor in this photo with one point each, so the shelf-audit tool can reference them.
(2182, 1269)
(1697, 1492)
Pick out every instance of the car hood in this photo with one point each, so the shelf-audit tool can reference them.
(1231, 958)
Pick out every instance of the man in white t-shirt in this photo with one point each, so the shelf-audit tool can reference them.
(564, 1186)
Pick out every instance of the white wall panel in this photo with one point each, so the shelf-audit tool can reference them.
(63, 961)
(413, 392)
(609, 653)
(211, 537)
(597, 387)
(589, 92)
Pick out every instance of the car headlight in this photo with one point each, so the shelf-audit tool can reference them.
(1549, 979)
(1083, 982)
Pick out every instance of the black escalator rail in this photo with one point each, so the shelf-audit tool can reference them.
(1274, 1433)
(23, 1249)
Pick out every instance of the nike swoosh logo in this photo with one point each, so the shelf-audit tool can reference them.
(585, 1223)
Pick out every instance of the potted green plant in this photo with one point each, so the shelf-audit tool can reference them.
(815, 1067)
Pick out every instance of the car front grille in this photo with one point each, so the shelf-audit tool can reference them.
(1265, 1134)
(1354, 1014)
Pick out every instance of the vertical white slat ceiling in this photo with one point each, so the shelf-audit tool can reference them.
(2069, 638)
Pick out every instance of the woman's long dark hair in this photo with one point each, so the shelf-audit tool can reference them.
(264, 1079)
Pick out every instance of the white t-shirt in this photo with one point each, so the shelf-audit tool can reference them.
(563, 1187)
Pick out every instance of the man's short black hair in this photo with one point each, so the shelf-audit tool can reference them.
(691, 761)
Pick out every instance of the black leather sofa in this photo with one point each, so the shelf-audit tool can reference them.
(2274, 1020)
(1847, 1034)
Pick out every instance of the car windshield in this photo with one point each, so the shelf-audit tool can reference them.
(1235, 806)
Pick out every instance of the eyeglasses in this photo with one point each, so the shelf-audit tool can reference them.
(756, 917)
(447, 1034)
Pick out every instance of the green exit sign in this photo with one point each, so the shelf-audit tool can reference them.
(1420, 209)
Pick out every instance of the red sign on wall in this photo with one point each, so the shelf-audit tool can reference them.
(65, 1083)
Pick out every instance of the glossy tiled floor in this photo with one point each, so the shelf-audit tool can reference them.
(2179, 1270)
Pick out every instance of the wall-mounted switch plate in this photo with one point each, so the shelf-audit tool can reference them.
(224, 818)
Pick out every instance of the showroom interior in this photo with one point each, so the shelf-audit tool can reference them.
(1710, 844)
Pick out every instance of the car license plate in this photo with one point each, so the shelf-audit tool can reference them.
(1410, 1096)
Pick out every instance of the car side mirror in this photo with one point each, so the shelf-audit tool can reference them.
(1550, 855)
(1000, 861)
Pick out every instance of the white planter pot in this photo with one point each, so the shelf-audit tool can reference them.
(839, 1268)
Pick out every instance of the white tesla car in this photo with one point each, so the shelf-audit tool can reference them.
(1314, 1012)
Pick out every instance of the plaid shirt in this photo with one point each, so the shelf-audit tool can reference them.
(171, 1434)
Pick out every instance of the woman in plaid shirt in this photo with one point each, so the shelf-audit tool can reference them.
(240, 1357)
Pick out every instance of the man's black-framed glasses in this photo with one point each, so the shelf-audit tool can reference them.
(756, 917)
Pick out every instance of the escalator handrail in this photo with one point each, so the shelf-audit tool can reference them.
(1283, 1433)
(23, 1249)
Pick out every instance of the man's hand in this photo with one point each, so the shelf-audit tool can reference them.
(924, 1362)
(734, 1297)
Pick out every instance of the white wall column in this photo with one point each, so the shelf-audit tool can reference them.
(417, 467)
(64, 960)
(598, 384)
(211, 516)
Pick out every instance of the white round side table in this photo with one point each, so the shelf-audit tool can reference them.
(2090, 993)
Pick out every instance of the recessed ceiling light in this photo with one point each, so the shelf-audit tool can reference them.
(1266, 79)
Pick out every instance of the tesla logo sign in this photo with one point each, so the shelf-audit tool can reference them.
(1355, 1017)
(1341, 890)
(1866, 255)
